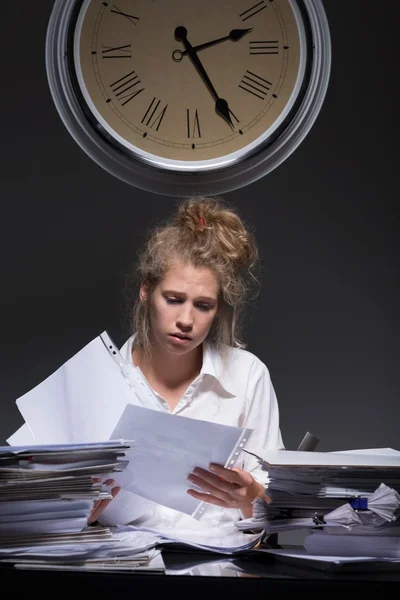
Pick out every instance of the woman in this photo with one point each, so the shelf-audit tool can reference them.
(194, 276)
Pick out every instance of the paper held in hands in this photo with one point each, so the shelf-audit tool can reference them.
(166, 448)
(97, 396)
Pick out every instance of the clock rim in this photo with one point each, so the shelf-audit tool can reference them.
(102, 148)
(189, 166)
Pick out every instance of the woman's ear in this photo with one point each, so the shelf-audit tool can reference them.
(143, 292)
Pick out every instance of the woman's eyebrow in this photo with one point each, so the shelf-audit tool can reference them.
(183, 294)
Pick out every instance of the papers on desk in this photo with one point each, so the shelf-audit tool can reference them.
(340, 497)
(338, 563)
(223, 540)
(46, 496)
(50, 489)
(93, 548)
(95, 396)
(383, 543)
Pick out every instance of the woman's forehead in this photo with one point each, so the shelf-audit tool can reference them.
(184, 276)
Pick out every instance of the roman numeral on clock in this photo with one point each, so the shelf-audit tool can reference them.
(130, 18)
(256, 85)
(117, 52)
(126, 88)
(251, 12)
(152, 118)
(193, 123)
(264, 47)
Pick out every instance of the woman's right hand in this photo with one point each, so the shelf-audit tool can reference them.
(100, 505)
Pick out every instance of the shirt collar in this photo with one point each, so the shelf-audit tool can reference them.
(213, 363)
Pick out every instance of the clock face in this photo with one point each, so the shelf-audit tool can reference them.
(189, 85)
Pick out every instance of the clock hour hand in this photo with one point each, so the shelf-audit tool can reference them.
(235, 35)
(221, 105)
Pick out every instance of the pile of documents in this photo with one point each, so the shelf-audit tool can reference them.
(97, 395)
(348, 501)
(47, 494)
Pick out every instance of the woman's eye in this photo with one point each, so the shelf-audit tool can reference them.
(174, 300)
(204, 307)
(200, 306)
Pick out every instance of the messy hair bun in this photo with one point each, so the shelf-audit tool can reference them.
(204, 232)
(222, 228)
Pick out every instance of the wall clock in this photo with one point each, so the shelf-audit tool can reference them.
(188, 97)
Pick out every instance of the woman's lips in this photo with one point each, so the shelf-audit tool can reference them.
(180, 339)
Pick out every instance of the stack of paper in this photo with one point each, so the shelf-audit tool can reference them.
(381, 543)
(95, 396)
(46, 496)
(222, 540)
(51, 489)
(343, 498)
(92, 548)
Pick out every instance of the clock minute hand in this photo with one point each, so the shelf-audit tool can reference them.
(235, 35)
(221, 105)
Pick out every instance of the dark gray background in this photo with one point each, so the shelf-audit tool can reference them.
(326, 322)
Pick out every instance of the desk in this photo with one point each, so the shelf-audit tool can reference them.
(215, 576)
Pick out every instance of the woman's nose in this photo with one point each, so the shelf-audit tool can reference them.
(185, 318)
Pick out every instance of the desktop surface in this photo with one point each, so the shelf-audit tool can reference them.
(211, 574)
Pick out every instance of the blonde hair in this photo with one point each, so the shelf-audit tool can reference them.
(204, 232)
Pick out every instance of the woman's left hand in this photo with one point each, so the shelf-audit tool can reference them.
(229, 488)
(99, 506)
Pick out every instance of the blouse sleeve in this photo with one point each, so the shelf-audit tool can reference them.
(263, 418)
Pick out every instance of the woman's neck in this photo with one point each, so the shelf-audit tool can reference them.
(170, 370)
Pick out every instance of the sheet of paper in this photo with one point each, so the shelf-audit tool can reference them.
(43, 526)
(315, 459)
(22, 437)
(222, 539)
(380, 451)
(28, 507)
(166, 448)
(303, 555)
(82, 545)
(80, 402)
(125, 508)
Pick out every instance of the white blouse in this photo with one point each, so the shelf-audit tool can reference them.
(236, 392)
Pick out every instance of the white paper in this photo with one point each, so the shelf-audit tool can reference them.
(80, 402)
(302, 554)
(322, 543)
(22, 437)
(125, 508)
(46, 525)
(222, 539)
(381, 451)
(340, 459)
(166, 449)
(83, 545)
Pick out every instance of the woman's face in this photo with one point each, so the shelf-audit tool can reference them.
(183, 307)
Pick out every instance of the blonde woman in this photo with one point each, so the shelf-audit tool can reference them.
(193, 278)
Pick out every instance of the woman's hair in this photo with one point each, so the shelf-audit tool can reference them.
(204, 232)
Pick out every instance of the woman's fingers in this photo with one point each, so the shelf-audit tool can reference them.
(225, 487)
(236, 475)
(222, 490)
(204, 497)
(101, 505)
(222, 478)
(210, 482)
(94, 508)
